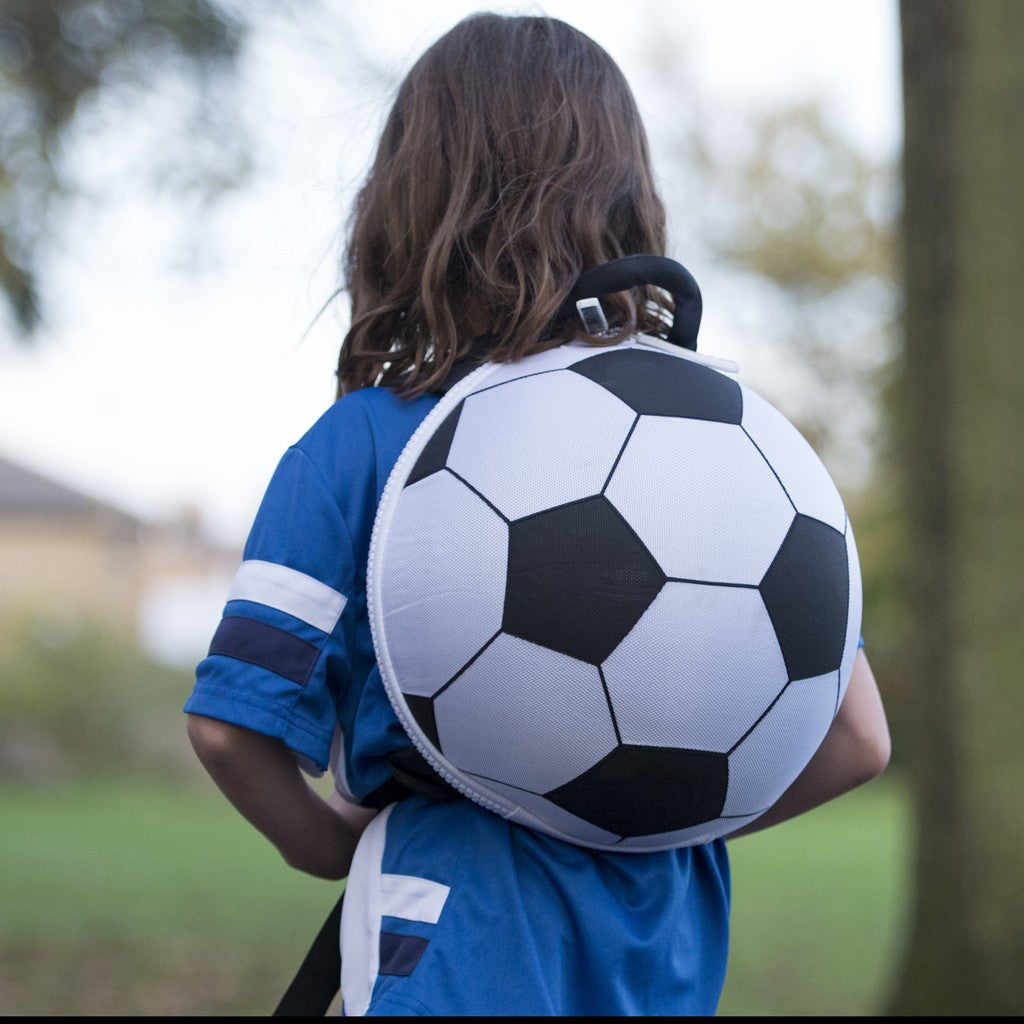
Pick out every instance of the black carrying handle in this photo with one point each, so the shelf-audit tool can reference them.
(660, 271)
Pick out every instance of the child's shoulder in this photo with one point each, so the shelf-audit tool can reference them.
(372, 410)
(363, 430)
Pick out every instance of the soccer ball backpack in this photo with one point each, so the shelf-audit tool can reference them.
(614, 594)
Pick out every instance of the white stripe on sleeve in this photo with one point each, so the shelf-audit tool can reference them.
(289, 591)
(412, 898)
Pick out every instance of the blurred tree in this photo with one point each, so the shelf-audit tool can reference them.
(58, 57)
(961, 416)
(805, 217)
(790, 227)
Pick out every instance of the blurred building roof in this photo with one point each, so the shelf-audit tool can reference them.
(24, 493)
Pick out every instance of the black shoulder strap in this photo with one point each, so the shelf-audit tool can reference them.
(319, 976)
(461, 368)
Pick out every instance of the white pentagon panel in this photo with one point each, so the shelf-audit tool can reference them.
(534, 811)
(762, 767)
(717, 512)
(542, 362)
(525, 715)
(697, 670)
(853, 624)
(686, 836)
(801, 471)
(512, 440)
(433, 624)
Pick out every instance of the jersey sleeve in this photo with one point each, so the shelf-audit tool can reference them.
(279, 662)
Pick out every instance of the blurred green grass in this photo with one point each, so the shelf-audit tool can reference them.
(131, 860)
(819, 908)
(146, 897)
(152, 897)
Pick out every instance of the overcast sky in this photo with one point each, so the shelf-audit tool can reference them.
(180, 360)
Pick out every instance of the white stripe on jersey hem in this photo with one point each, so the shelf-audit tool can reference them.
(289, 591)
(360, 919)
(412, 898)
(371, 895)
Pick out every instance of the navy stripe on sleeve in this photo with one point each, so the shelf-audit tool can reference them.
(399, 954)
(265, 646)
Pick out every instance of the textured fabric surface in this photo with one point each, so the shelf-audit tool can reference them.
(595, 577)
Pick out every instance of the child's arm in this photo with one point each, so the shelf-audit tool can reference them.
(260, 777)
(855, 750)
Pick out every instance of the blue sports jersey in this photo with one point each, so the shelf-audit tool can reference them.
(449, 909)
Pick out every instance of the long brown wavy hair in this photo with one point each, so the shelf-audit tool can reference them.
(513, 159)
